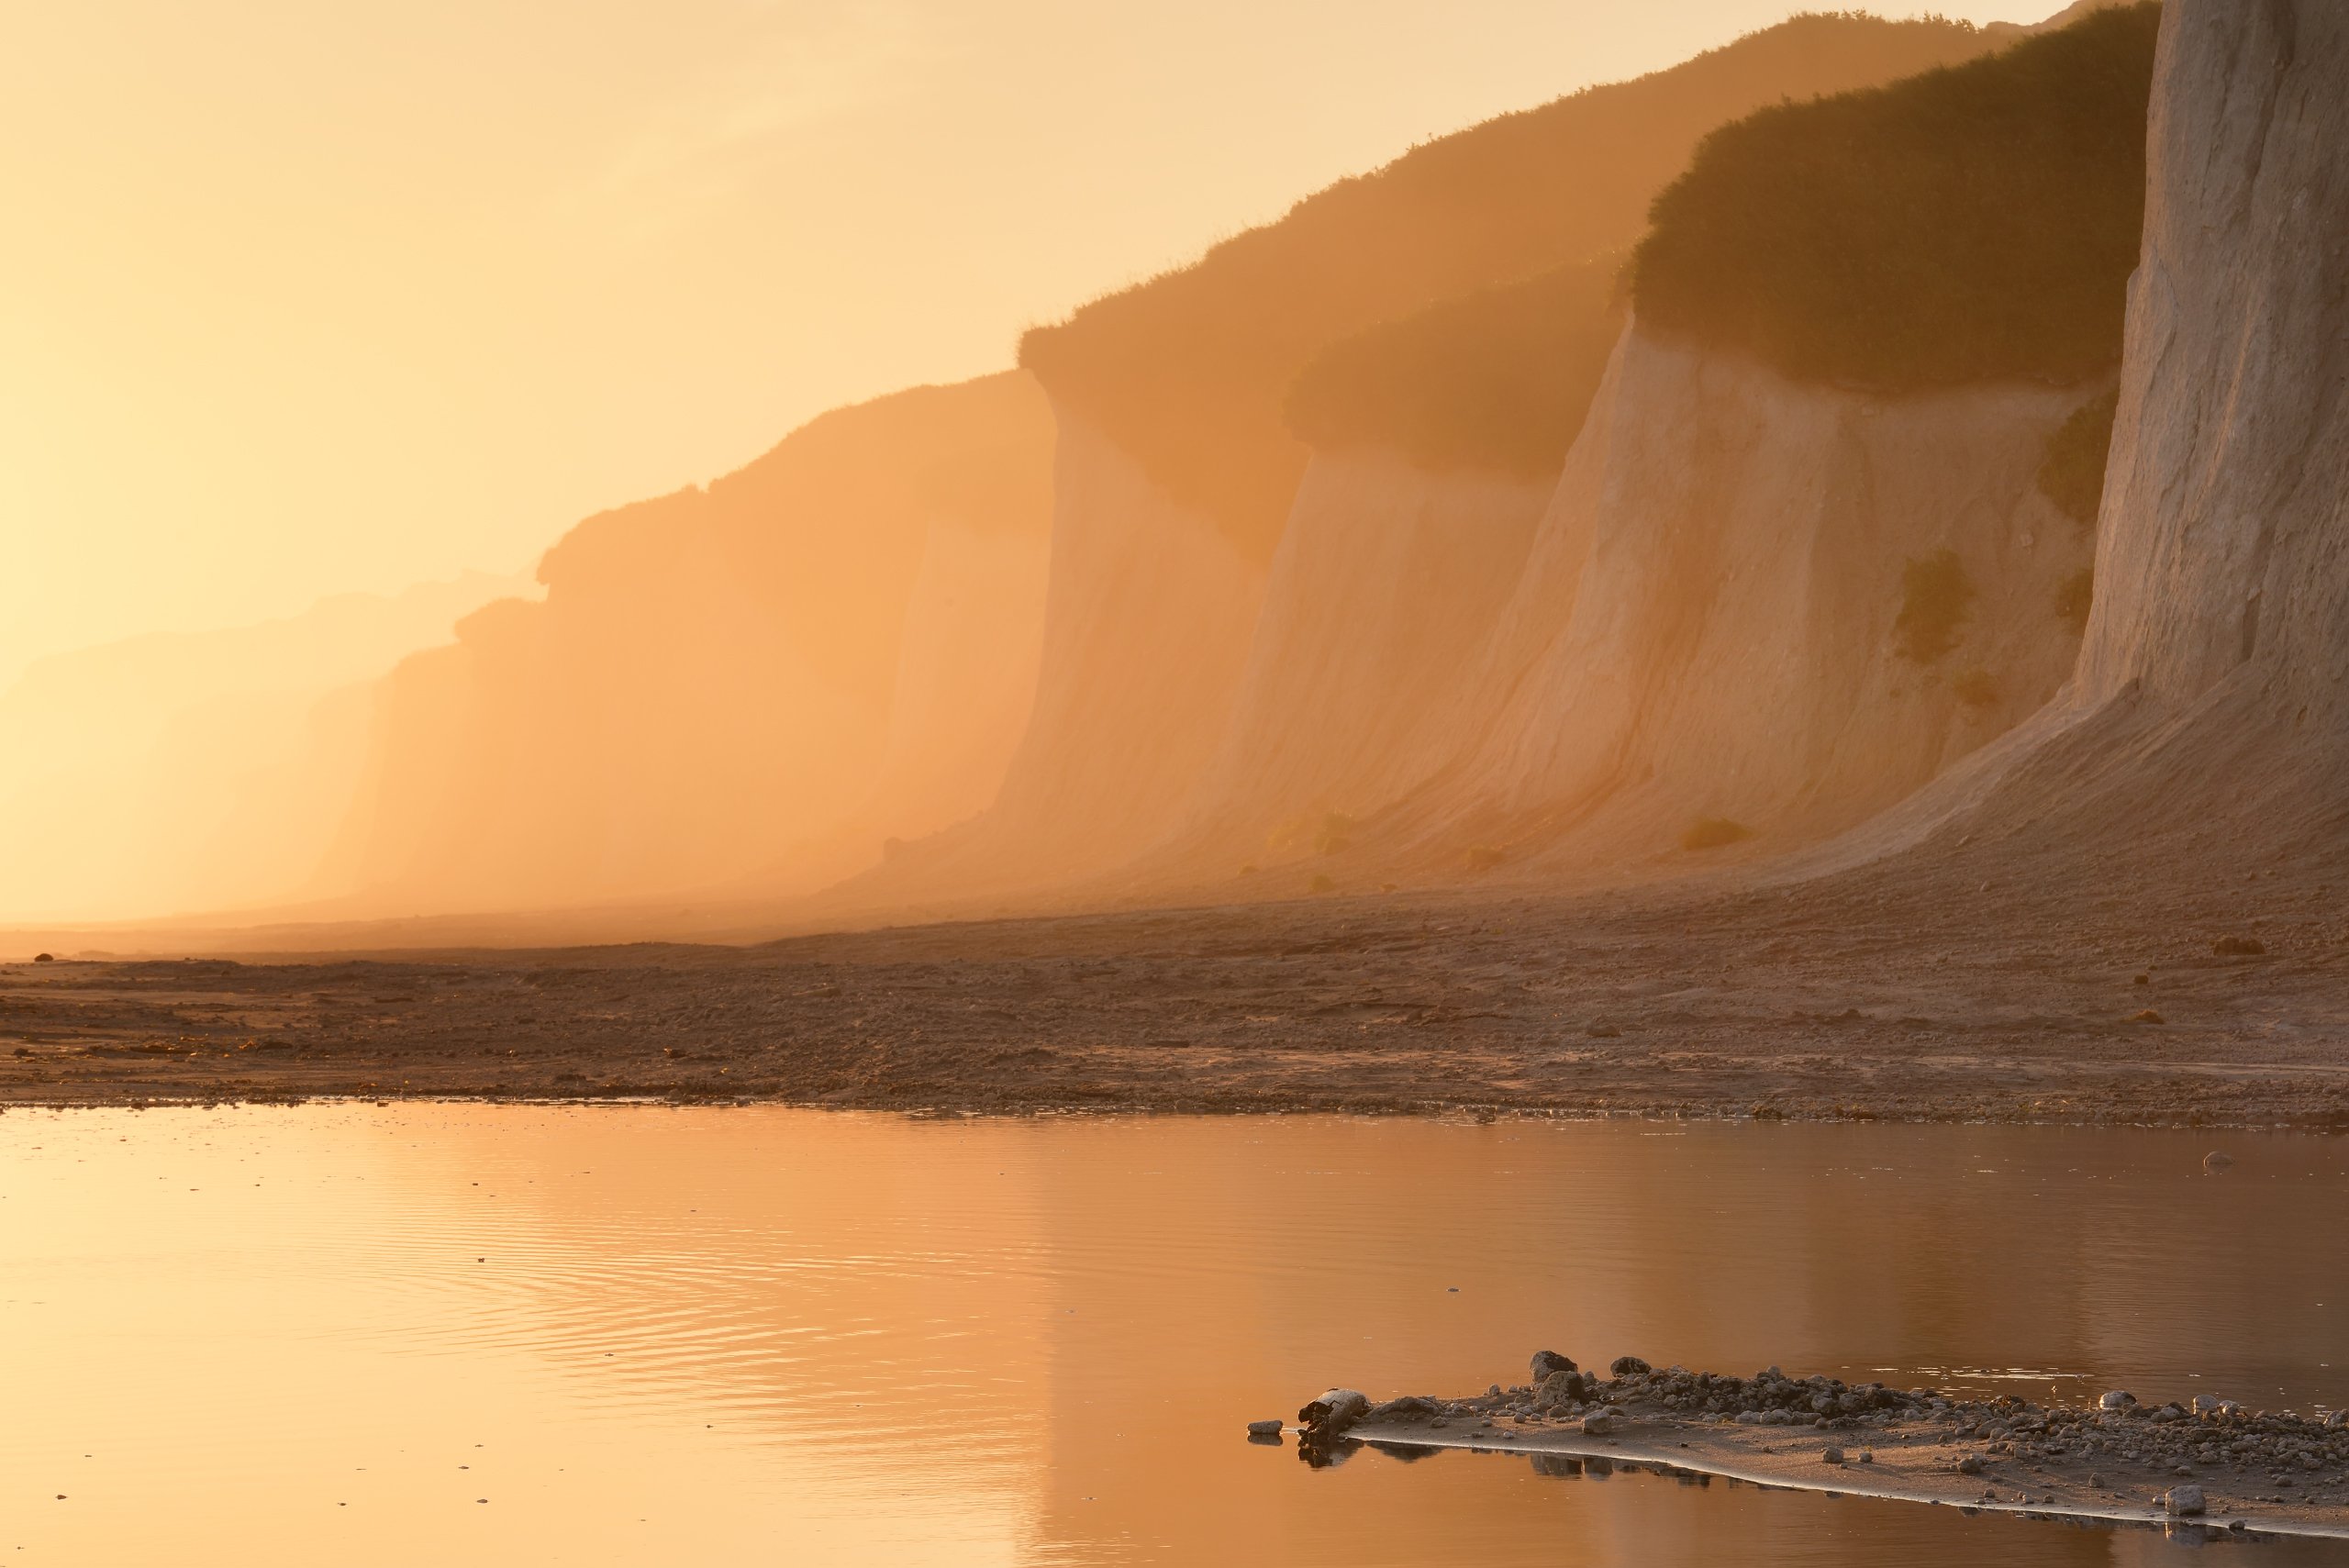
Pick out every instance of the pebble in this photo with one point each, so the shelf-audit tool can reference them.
(1264, 1428)
(1970, 1466)
(1598, 1423)
(2118, 1399)
(2217, 1159)
(2183, 1502)
(1832, 1455)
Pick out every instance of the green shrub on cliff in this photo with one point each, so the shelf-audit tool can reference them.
(1498, 379)
(1189, 372)
(1974, 223)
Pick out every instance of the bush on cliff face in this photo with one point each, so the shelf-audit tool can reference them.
(2072, 474)
(1189, 372)
(1498, 379)
(1975, 223)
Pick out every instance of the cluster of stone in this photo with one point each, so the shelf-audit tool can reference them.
(1561, 1392)
(2174, 1440)
(2211, 1434)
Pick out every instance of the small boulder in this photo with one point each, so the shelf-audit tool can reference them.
(44, 958)
(1547, 1361)
(2217, 1159)
(2118, 1399)
(1628, 1366)
(1970, 1466)
(1264, 1428)
(1332, 1413)
(2183, 1502)
(2206, 1404)
(1600, 1423)
(1832, 1455)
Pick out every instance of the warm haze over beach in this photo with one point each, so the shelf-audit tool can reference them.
(881, 782)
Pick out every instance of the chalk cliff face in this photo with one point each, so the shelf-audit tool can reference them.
(2225, 556)
(1716, 618)
(1382, 593)
(1147, 623)
(726, 687)
(2210, 695)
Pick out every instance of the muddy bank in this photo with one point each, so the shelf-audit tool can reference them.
(2213, 1466)
(2009, 982)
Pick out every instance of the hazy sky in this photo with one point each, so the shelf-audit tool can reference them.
(303, 295)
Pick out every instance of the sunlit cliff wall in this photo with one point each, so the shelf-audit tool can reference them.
(1179, 467)
(1800, 560)
(2210, 698)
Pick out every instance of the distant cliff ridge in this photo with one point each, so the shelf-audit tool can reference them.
(719, 680)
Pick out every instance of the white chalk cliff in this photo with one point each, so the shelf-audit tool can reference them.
(1147, 621)
(1706, 624)
(1383, 590)
(2213, 684)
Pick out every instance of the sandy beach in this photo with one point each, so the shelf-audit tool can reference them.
(1954, 988)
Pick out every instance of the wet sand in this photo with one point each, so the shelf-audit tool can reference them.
(1965, 989)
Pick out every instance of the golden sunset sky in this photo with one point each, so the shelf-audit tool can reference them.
(299, 297)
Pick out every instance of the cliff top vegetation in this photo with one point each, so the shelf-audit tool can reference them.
(1498, 380)
(1190, 371)
(1976, 222)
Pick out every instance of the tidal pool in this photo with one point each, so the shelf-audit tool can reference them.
(471, 1334)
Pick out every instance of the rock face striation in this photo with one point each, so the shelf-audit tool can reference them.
(1382, 595)
(1147, 622)
(1720, 618)
(2212, 695)
(2225, 559)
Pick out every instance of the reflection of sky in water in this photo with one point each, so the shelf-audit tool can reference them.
(721, 1335)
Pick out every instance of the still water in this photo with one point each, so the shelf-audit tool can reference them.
(461, 1334)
